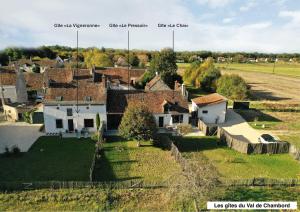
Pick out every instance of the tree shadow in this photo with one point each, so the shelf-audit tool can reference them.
(195, 144)
(115, 164)
(265, 95)
(257, 115)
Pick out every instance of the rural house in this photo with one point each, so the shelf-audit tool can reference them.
(210, 108)
(68, 109)
(156, 84)
(168, 107)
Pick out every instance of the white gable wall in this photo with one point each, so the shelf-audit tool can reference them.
(168, 119)
(214, 112)
(51, 113)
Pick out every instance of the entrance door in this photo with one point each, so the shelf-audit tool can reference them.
(70, 125)
(161, 121)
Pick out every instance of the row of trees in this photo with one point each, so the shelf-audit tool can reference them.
(137, 57)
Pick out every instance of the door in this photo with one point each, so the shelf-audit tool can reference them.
(70, 125)
(161, 121)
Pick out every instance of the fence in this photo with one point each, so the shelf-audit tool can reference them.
(207, 129)
(251, 148)
(97, 153)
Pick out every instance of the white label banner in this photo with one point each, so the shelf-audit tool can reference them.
(252, 205)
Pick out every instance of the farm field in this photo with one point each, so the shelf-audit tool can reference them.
(50, 158)
(282, 86)
(231, 164)
(123, 160)
(287, 69)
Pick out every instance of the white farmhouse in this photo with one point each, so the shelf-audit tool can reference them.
(67, 109)
(210, 108)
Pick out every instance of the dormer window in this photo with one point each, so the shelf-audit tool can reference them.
(88, 98)
(59, 98)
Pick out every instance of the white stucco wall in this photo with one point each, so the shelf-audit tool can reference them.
(215, 111)
(168, 119)
(51, 113)
(9, 92)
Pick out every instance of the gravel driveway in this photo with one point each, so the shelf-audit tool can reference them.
(236, 125)
(21, 134)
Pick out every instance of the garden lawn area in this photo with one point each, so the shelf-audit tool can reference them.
(289, 69)
(50, 158)
(231, 164)
(123, 160)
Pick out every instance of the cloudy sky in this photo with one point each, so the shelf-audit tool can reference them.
(217, 25)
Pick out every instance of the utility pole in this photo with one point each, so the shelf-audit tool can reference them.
(274, 67)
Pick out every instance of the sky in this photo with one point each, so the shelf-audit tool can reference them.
(271, 26)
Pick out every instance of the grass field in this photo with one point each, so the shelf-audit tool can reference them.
(234, 165)
(289, 69)
(123, 160)
(128, 199)
(50, 158)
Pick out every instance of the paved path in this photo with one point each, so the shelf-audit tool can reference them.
(237, 126)
(21, 134)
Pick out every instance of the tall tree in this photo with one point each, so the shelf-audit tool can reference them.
(138, 122)
(95, 57)
(164, 62)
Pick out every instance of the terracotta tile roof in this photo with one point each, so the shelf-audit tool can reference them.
(121, 74)
(7, 76)
(157, 79)
(34, 81)
(96, 91)
(117, 101)
(46, 63)
(59, 75)
(210, 99)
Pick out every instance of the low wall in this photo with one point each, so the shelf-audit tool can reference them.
(249, 148)
(207, 129)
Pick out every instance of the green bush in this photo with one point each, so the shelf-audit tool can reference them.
(138, 122)
(233, 87)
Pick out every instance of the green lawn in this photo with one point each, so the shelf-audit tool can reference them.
(123, 160)
(234, 165)
(86, 200)
(50, 158)
(289, 69)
